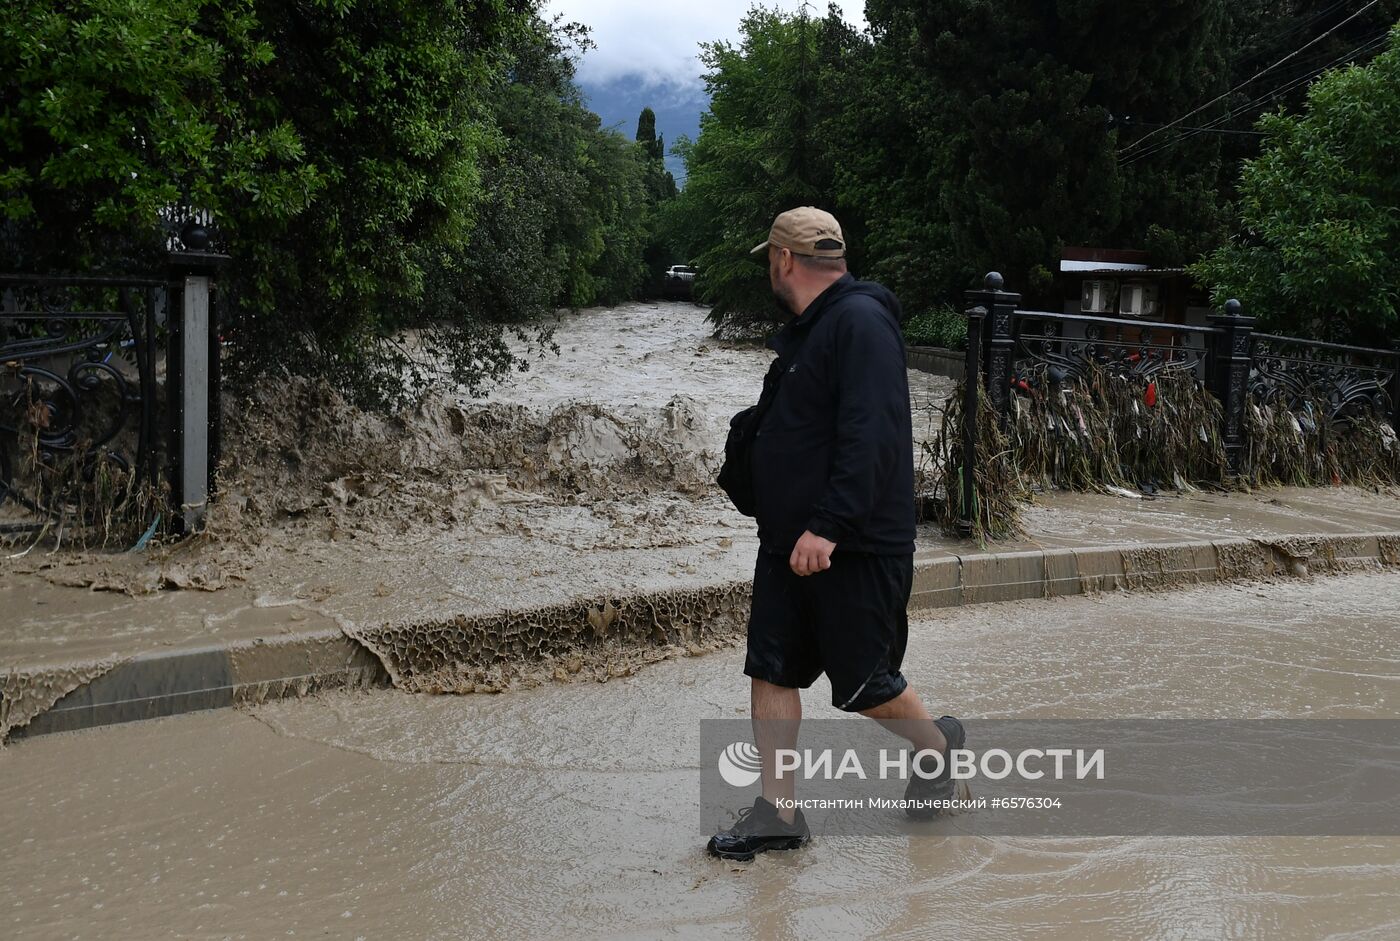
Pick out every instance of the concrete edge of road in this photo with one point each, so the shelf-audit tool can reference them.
(169, 682)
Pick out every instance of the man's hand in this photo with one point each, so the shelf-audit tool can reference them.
(811, 555)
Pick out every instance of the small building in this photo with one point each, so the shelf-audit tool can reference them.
(1124, 283)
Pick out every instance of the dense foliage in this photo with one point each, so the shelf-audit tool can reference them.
(956, 136)
(1320, 251)
(372, 165)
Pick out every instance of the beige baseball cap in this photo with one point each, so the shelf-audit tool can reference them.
(806, 231)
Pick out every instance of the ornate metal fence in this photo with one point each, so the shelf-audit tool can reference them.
(109, 397)
(1345, 381)
(1230, 360)
(78, 393)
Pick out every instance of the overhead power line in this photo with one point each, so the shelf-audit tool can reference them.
(1123, 152)
(1268, 97)
(1262, 100)
(1207, 129)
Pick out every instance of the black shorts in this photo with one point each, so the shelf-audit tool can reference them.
(849, 622)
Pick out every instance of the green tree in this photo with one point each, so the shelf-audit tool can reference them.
(563, 219)
(113, 110)
(895, 163)
(372, 165)
(660, 188)
(654, 147)
(332, 150)
(1319, 246)
(1025, 92)
(760, 151)
(383, 117)
(955, 137)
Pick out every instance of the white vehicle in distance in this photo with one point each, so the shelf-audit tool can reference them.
(680, 280)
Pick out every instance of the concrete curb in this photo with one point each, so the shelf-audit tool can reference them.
(175, 681)
(171, 682)
(1054, 573)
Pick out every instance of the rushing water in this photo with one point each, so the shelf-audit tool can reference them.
(644, 354)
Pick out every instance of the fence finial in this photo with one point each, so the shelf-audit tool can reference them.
(194, 236)
(1233, 308)
(993, 281)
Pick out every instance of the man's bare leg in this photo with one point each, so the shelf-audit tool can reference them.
(906, 716)
(777, 714)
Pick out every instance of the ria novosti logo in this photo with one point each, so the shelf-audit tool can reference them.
(740, 764)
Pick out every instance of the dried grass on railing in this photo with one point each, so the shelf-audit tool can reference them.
(1109, 430)
(1304, 448)
(1098, 433)
(998, 490)
(79, 497)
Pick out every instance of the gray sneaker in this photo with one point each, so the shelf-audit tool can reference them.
(942, 787)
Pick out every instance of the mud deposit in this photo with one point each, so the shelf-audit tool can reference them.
(491, 652)
(569, 812)
(449, 530)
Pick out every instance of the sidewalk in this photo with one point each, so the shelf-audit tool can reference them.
(464, 611)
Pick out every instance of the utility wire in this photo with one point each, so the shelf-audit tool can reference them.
(1264, 99)
(1207, 129)
(1141, 140)
(1128, 155)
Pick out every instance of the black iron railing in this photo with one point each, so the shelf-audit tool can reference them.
(1230, 360)
(1349, 381)
(78, 390)
(109, 396)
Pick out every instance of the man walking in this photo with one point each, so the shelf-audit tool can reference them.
(833, 495)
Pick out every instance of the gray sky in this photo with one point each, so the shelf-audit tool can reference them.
(657, 39)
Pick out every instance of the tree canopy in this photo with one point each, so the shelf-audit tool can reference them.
(1320, 205)
(371, 166)
(958, 136)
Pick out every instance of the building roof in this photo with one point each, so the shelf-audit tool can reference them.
(1097, 265)
(1118, 270)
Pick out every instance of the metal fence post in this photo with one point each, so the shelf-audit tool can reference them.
(1233, 347)
(971, 379)
(998, 340)
(1394, 392)
(192, 376)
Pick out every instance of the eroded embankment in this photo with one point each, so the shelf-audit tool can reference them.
(303, 468)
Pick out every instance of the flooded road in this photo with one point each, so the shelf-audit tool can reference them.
(568, 811)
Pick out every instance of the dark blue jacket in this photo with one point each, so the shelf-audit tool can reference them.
(834, 453)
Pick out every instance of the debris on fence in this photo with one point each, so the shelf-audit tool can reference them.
(1102, 404)
(999, 487)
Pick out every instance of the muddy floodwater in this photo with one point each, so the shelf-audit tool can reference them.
(610, 445)
(592, 472)
(645, 353)
(569, 811)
